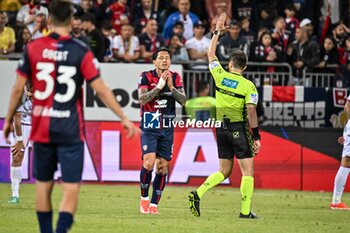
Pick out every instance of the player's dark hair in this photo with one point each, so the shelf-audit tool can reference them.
(202, 85)
(239, 59)
(61, 12)
(164, 49)
(88, 18)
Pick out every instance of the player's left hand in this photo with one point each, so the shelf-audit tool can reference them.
(130, 128)
(341, 140)
(169, 81)
(7, 129)
(257, 146)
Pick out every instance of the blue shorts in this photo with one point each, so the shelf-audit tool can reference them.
(70, 157)
(159, 141)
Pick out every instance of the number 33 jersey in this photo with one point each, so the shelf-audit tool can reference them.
(57, 67)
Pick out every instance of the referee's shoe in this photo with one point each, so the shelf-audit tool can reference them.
(194, 203)
(251, 215)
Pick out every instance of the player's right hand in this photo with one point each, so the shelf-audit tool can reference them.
(257, 146)
(17, 148)
(341, 140)
(130, 128)
(7, 129)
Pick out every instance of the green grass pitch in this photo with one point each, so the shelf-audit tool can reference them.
(115, 208)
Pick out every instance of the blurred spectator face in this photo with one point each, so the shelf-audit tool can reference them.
(347, 43)
(152, 27)
(86, 4)
(328, 44)
(2, 19)
(113, 32)
(245, 24)
(213, 24)
(266, 40)
(122, 2)
(184, 6)
(309, 28)
(280, 25)
(300, 34)
(126, 32)
(339, 31)
(40, 20)
(174, 41)
(261, 31)
(199, 31)
(106, 32)
(146, 4)
(289, 13)
(26, 34)
(76, 26)
(178, 30)
(85, 25)
(234, 31)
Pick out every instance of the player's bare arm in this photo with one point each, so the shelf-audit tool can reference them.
(146, 96)
(220, 27)
(106, 95)
(19, 146)
(16, 95)
(253, 123)
(178, 93)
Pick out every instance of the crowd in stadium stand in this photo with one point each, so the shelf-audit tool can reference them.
(310, 34)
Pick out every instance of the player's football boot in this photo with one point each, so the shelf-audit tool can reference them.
(194, 203)
(153, 210)
(144, 206)
(251, 215)
(13, 200)
(339, 206)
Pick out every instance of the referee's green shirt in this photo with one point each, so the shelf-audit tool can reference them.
(233, 92)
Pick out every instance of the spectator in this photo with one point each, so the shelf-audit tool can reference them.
(292, 23)
(119, 13)
(126, 46)
(263, 51)
(178, 29)
(184, 15)
(144, 14)
(94, 36)
(24, 38)
(197, 47)
(11, 7)
(150, 40)
(98, 9)
(198, 8)
(305, 53)
(178, 51)
(7, 36)
(339, 34)
(265, 14)
(26, 14)
(40, 29)
(77, 30)
(106, 30)
(232, 40)
(245, 8)
(217, 7)
(345, 61)
(328, 55)
(279, 37)
(245, 31)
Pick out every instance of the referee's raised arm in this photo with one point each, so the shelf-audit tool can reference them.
(220, 27)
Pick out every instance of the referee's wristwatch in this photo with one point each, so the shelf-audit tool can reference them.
(217, 32)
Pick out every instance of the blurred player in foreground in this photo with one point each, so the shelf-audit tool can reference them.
(344, 169)
(20, 144)
(236, 100)
(158, 91)
(57, 65)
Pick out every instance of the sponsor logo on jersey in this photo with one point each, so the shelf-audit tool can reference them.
(229, 83)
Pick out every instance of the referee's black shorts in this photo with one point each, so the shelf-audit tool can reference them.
(235, 139)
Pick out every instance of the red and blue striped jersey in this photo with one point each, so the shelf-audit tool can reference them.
(57, 67)
(164, 102)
